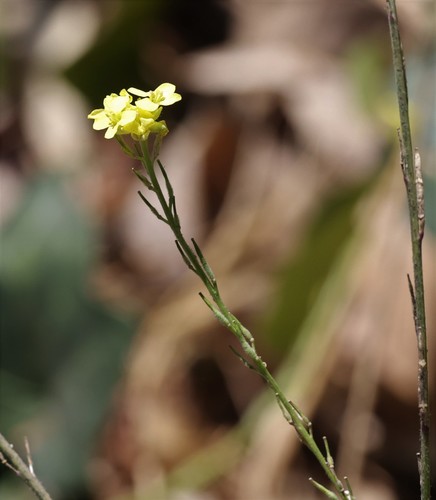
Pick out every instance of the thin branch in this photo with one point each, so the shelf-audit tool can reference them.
(11, 459)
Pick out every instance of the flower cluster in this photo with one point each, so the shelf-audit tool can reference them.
(120, 117)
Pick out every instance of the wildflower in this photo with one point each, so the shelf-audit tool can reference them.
(116, 114)
(120, 117)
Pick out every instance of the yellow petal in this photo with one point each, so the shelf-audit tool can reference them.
(94, 113)
(110, 132)
(116, 104)
(128, 116)
(171, 99)
(146, 105)
(166, 89)
(100, 122)
(138, 92)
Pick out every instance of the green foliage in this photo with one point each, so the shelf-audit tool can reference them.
(61, 351)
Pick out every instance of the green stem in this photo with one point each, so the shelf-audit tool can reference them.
(196, 262)
(411, 166)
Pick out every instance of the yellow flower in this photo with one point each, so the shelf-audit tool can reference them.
(116, 115)
(120, 117)
(144, 123)
(164, 95)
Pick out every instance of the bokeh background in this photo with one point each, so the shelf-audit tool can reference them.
(284, 158)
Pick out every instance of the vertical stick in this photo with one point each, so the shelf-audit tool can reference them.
(411, 166)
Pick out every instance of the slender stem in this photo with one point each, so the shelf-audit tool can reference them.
(11, 458)
(195, 260)
(411, 166)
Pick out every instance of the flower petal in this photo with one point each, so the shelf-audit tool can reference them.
(110, 132)
(101, 121)
(128, 116)
(116, 104)
(94, 113)
(146, 105)
(171, 99)
(166, 89)
(138, 92)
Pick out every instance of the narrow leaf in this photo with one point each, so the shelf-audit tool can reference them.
(204, 264)
(218, 314)
(185, 258)
(151, 207)
(320, 487)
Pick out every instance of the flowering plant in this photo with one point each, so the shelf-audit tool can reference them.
(122, 117)
(140, 120)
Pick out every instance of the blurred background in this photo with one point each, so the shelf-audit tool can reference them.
(284, 159)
